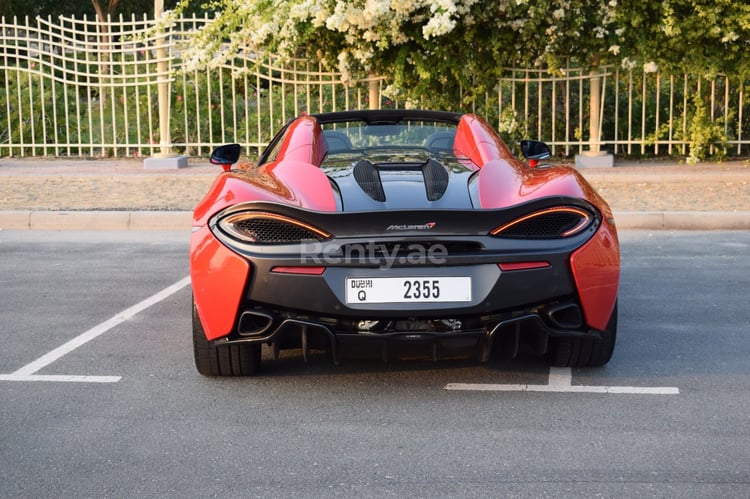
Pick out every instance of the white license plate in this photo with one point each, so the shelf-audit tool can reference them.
(408, 289)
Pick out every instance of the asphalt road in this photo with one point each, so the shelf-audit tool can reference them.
(99, 396)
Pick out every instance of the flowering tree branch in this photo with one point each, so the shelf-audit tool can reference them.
(434, 48)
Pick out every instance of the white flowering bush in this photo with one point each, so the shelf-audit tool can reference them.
(435, 51)
(429, 49)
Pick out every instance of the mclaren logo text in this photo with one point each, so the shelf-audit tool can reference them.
(427, 226)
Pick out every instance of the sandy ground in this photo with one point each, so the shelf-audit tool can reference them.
(91, 185)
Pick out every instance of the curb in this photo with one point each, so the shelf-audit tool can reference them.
(96, 220)
(182, 220)
(683, 220)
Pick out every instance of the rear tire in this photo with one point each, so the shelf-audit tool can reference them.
(222, 360)
(582, 351)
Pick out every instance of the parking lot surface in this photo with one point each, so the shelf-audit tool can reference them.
(99, 396)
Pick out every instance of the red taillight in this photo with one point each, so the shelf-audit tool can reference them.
(299, 270)
(508, 266)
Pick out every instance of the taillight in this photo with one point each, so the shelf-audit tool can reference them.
(269, 228)
(549, 223)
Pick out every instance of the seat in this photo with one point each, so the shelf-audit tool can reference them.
(336, 141)
(440, 141)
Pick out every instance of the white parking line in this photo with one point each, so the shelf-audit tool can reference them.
(560, 380)
(26, 373)
(60, 377)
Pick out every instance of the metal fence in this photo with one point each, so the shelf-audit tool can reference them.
(641, 113)
(78, 87)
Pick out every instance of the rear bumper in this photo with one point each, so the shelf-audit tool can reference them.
(507, 334)
(492, 290)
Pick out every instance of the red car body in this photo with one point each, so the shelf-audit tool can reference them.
(293, 187)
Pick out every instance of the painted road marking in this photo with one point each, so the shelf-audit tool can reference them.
(26, 373)
(560, 381)
(60, 377)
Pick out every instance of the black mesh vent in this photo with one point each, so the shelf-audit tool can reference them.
(435, 179)
(549, 225)
(270, 231)
(367, 176)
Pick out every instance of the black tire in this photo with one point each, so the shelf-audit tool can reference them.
(227, 360)
(584, 352)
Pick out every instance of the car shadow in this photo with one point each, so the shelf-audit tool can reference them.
(292, 363)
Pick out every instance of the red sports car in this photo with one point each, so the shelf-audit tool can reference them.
(400, 228)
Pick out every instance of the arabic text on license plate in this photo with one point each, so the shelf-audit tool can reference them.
(408, 289)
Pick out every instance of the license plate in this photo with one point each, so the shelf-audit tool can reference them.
(408, 289)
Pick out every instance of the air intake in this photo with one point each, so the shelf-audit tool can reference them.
(367, 176)
(435, 179)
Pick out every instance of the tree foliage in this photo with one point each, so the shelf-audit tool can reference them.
(427, 47)
(706, 37)
(78, 8)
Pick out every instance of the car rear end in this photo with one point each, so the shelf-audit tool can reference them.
(492, 278)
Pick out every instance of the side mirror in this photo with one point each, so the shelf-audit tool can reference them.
(226, 155)
(535, 150)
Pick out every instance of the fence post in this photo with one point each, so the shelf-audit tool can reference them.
(595, 157)
(164, 158)
(595, 95)
(374, 92)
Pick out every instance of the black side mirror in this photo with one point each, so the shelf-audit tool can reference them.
(535, 149)
(226, 155)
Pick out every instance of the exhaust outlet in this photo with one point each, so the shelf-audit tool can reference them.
(254, 323)
(566, 316)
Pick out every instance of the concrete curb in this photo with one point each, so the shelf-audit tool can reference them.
(96, 220)
(182, 220)
(683, 220)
